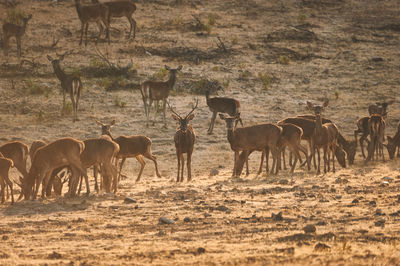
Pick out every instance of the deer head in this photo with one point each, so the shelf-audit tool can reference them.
(183, 121)
(230, 121)
(317, 108)
(106, 128)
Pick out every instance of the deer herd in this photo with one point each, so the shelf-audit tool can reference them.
(66, 160)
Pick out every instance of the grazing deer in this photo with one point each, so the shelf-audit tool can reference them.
(17, 31)
(98, 13)
(325, 137)
(122, 8)
(394, 143)
(129, 147)
(222, 105)
(376, 125)
(247, 139)
(70, 83)
(5, 165)
(156, 91)
(59, 153)
(184, 141)
(379, 108)
(17, 152)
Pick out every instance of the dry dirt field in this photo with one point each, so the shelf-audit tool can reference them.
(279, 54)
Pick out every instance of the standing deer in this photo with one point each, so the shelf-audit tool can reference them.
(257, 137)
(156, 91)
(129, 147)
(184, 141)
(59, 153)
(222, 105)
(70, 83)
(394, 143)
(98, 13)
(122, 8)
(325, 137)
(5, 165)
(17, 31)
(376, 125)
(17, 152)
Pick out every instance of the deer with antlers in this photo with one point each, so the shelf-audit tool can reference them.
(5, 165)
(98, 13)
(122, 8)
(158, 91)
(325, 137)
(222, 105)
(59, 153)
(129, 147)
(17, 31)
(376, 126)
(184, 139)
(70, 83)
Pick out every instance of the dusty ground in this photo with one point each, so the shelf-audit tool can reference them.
(280, 54)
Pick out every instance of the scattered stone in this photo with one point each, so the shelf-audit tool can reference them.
(388, 178)
(79, 220)
(355, 201)
(161, 233)
(384, 183)
(55, 255)
(114, 207)
(321, 223)
(283, 182)
(338, 197)
(363, 231)
(309, 228)
(4, 237)
(136, 207)
(377, 59)
(165, 220)
(277, 217)
(380, 223)
(372, 202)
(187, 219)
(321, 247)
(201, 250)
(285, 250)
(214, 172)
(379, 212)
(129, 200)
(223, 208)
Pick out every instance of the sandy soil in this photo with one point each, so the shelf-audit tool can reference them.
(280, 54)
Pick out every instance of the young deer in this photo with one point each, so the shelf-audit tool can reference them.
(122, 8)
(59, 153)
(129, 147)
(257, 137)
(376, 125)
(70, 83)
(5, 165)
(156, 91)
(17, 152)
(222, 105)
(325, 136)
(98, 13)
(17, 31)
(184, 141)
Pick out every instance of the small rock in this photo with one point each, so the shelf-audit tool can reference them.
(388, 178)
(277, 217)
(79, 220)
(165, 220)
(222, 208)
(309, 228)
(4, 237)
(379, 212)
(214, 172)
(372, 202)
(201, 250)
(283, 182)
(136, 207)
(398, 198)
(338, 197)
(321, 223)
(187, 219)
(377, 59)
(355, 201)
(129, 200)
(380, 223)
(321, 247)
(384, 183)
(55, 255)
(161, 233)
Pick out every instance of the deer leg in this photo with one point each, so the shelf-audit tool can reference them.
(266, 160)
(3, 198)
(86, 30)
(19, 46)
(183, 166)
(5, 45)
(325, 153)
(304, 150)
(363, 137)
(142, 164)
(132, 22)
(284, 159)
(179, 164)
(10, 184)
(189, 161)
(235, 161)
(211, 127)
(82, 30)
(164, 107)
(319, 160)
(261, 162)
(95, 171)
(333, 156)
(45, 182)
(150, 156)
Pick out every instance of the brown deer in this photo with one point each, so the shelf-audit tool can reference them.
(184, 141)
(376, 125)
(257, 137)
(5, 165)
(394, 143)
(156, 91)
(17, 31)
(70, 83)
(17, 152)
(98, 13)
(122, 8)
(325, 137)
(222, 105)
(129, 147)
(59, 153)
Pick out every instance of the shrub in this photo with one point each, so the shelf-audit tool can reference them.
(118, 102)
(265, 79)
(284, 60)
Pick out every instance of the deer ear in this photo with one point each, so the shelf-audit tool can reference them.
(179, 67)
(222, 116)
(174, 116)
(190, 117)
(99, 123)
(309, 104)
(167, 67)
(112, 123)
(326, 103)
(49, 58)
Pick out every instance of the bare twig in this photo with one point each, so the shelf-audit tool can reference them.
(55, 42)
(115, 67)
(221, 44)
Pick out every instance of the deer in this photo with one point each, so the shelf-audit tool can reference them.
(325, 137)
(394, 143)
(184, 139)
(5, 165)
(257, 137)
(98, 13)
(122, 8)
(376, 126)
(59, 153)
(158, 91)
(70, 83)
(222, 105)
(17, 31)
(130, 146)
(17, 152)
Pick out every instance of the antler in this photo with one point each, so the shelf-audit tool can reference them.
(172, 110)
(197, 102)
